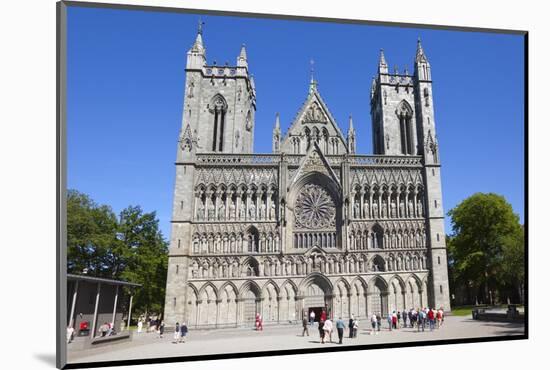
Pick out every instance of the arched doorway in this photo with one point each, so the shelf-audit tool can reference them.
(316, 290)
(378, 297)
(249, 303)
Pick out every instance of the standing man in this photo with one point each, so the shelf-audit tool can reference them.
(340, 328)
(350, 326)
(311, 317)
(373, 323)
(431, 318)
(183, 331)
(304, 324)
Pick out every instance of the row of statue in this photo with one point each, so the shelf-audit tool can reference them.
(236, 243)
(386, 240)
(207, 210)
(289, 266)
(393, 211)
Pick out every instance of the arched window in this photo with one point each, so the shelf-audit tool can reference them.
(218, 108)
(404, 113)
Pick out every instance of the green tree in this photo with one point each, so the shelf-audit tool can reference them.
(91, 233)
(146, 256)
(484, 250)
(130, 247)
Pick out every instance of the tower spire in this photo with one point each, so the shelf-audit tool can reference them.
(312, 82)
(277, 135)
(420, 55)
(351, 136)
(242, 59)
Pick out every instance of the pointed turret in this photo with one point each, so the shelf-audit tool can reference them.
(421, 64)
(242, 60)
(382, 68)
(351, 136)
(277, 135)
(196, 56)
(312, 81)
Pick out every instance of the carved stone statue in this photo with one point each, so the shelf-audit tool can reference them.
(384, 209)
(242, 212)
(221, 211)
(252, 211)
(211, 212)
(411, 208)
(366, 209)
(419, 208)
(262, 211)
(375, 209)
(231, 210)
(272, 211)
(356, 210)
(200, 212)
(393, 209)
(402, 209)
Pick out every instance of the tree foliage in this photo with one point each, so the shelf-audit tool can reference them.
(128, 247)
(486, 249)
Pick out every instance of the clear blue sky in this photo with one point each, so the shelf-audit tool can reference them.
(126, 83)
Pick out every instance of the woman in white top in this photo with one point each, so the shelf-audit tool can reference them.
(328, 330)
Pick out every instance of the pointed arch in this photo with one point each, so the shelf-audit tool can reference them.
(404, 114)
(218, 108)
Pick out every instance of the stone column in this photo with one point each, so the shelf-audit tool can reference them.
(94, 324)
(217, 204)
(407, 204)
(73, 304)
(238, 205)
(361, 204)
(415, 210)
(268, 215)
(207, 202)
(228, 196)
(258, 199)
(248, 195)
(114, 306)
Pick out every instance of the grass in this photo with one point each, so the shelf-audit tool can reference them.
(467, 310)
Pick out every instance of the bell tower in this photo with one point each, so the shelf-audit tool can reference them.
(219, 104)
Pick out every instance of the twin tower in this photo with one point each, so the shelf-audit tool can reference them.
(220, 106)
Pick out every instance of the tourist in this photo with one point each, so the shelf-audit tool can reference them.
(312, 317)
(322, 331)
(414, 318)
(405, 316)
(139, 326)
(260, 323)
(257, 323)
(350, 326)
(389, 320)
(397, 325)
(355, 327)
(411, 317)
(373, 323)
(323, 315)
(379, 321)
(183, 332)
(304, 324)
(177, 332)
(161, 329)
(394, 320)
(328, 330)
(439, 317)
(421, 319)
(431, 318)
(70, 333)
(340, 328)
(104, 329)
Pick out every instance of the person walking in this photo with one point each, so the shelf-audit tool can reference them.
(350, 326)
(183, 331)
(161, 329)
(398, 324)
(405, 316)
(431, 318)
(311, 317)
(304, 324)
(140, 326)
(389, 319)
(328, 330)
(355, 327)
(177, 333)
(394, 320)
(261, 323)
(378, 321)
(323, 315)
(421, 319)
(373, 324)
(321, 331)
(439, 317)
(340, 326)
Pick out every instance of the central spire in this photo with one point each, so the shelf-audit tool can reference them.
(312, 82)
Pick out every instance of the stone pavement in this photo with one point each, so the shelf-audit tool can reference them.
(149, 345)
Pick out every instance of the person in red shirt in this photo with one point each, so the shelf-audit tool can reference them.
(323, 316)
(431, 318)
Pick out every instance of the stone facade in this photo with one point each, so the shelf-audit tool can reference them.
(313, 224)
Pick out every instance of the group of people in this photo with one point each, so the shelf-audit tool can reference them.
(180, 332)
(413, 318)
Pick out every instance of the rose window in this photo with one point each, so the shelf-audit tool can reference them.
(314, 208)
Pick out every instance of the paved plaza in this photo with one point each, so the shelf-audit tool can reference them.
(149, 345)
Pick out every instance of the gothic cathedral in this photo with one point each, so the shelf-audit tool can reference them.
(313, 225)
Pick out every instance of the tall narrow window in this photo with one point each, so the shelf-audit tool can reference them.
(218, 108)
(404, 114)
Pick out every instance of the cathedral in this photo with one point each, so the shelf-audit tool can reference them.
(312, 226)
